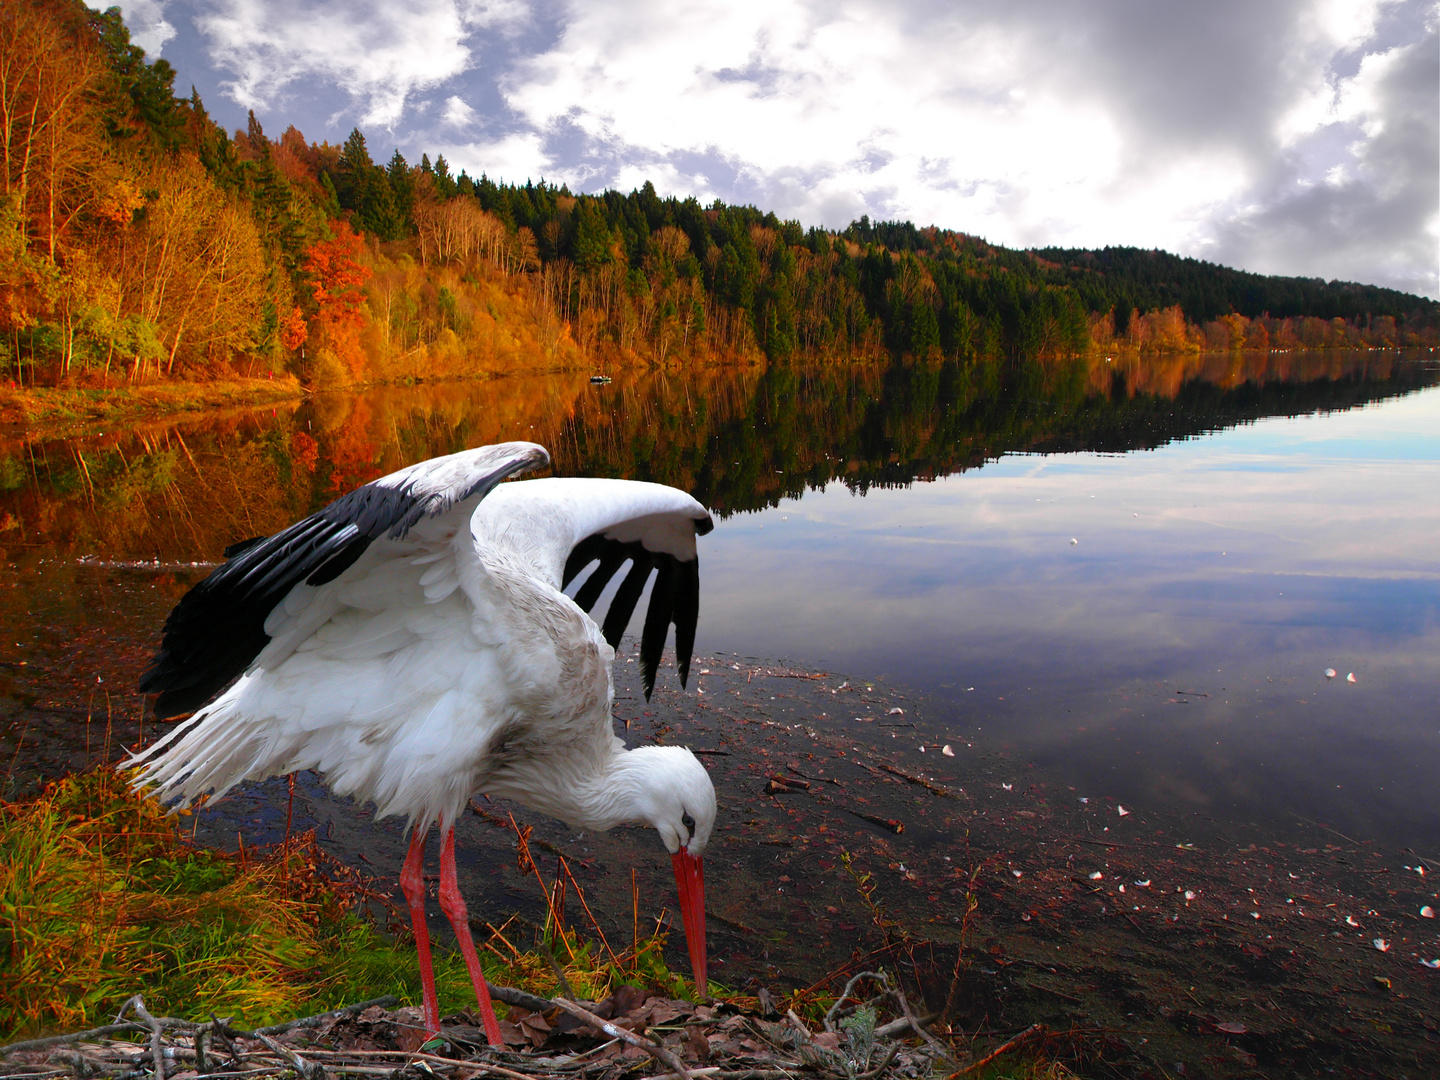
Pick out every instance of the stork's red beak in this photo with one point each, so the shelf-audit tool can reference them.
(690, 878)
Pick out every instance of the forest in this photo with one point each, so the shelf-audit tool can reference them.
(140, 242)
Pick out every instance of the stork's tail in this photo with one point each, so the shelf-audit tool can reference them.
(208, 753)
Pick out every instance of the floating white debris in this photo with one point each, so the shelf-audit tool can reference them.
(1189, 895)
(1144, 884)
(922, 749)
(1350, 921)
(897, 711)
(1330, 673)
(1122, 888)
(1427, 912)
(1254, 914)
(1122, 810)
(1350, 677)
(947, 751)
(1096, 876)
(1084, 799)
(1008, 787)
(704, 671)
(1381, 944)
(1073, 540)
(1431, 963)
(1017, 873)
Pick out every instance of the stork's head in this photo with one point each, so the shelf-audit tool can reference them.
(680, 804)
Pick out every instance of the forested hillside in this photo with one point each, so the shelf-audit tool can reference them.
(140, 241)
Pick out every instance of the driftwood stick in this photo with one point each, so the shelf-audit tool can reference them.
(655, 1050)
(318, 1018)
(879, 1070)
(137, 1003)
(171, 1023)
(433, 1059)
(878, 976)
(919, 1029)
(77, 1036)
(895, 1027)
(1001, 1049)
(307, 1070)
(510, 996)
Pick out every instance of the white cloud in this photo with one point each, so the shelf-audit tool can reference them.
(511, 159)
(1214, 129)
(379, 52)
(147, 24)
(457, 113)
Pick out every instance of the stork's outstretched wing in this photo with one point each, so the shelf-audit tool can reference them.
(218, 628)
(562, 525)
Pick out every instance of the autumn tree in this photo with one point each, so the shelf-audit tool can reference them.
(337, 278)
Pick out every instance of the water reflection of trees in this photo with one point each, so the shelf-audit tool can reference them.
(740, 439)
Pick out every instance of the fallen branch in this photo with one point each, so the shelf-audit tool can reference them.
(80, 1036)
(319, 1018)
(655, 1050)
(307, 1070)
(157, 1051)
(1003, 1048)
(878, 976)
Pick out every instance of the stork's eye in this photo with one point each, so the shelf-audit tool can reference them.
(688, 822)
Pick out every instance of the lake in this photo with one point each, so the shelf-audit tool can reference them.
(1133, 573)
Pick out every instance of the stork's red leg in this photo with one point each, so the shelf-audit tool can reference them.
(412, 884)
(453, 904)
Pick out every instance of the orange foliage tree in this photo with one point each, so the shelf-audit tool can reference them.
(337, 278)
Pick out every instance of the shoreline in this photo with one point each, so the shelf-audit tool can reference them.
(55, 411)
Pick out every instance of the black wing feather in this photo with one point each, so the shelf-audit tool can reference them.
(657, 622)
(622, 605)
(218, 627)
(674, 600)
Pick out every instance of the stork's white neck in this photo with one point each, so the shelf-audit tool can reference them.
(659, 786)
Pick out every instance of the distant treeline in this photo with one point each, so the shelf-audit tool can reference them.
(139, 239)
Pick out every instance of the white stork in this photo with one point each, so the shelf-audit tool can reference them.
(411, 642)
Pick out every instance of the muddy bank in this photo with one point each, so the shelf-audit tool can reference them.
(847, 833)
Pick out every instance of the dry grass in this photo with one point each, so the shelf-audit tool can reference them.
(102, 897)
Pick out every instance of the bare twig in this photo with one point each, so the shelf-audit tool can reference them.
(77, 1036)
(918, 1028)
(137, 1003)
(511, 996)
(895, 1027)
(655, 1050)
(1004, 1047)
(878, 976)
(879, 1070)
(320, 1018)
(432, 1059)
(308, 1070)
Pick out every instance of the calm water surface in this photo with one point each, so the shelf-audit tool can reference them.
(1154, 625)
(1135, 576)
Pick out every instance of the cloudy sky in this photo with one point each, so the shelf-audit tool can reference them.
(1288, 136)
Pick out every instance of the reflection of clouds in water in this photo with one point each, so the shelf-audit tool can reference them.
(1210, 564)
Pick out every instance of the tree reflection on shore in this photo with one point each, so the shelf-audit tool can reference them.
(740, 439)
